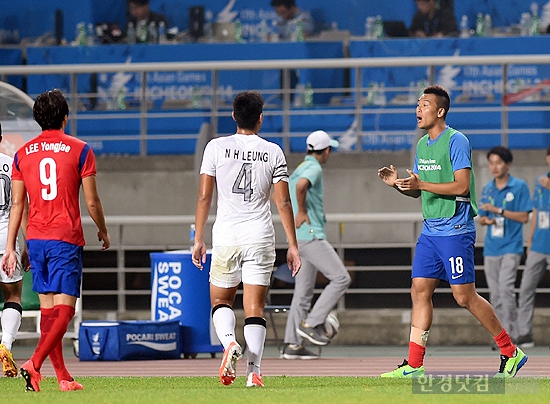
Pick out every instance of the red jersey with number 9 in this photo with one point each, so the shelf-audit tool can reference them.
(52, 166)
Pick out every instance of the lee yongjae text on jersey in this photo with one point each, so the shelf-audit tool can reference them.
(45, 146)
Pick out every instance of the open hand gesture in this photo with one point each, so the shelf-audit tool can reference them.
(388, 175)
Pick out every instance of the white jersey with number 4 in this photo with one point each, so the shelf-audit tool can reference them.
(245, 167)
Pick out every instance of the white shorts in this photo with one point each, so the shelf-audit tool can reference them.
(251, 263)
(17, 274)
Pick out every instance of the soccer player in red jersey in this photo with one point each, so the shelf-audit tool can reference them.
(50, 169)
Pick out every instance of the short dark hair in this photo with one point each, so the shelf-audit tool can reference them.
(247, 108)
(503, 152)
(442, 97)
(139, 2)
(286, 3)
(318, 151)
(50, 109)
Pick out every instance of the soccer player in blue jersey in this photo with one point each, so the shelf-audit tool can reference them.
(443, 177)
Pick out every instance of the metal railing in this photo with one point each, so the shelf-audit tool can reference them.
(215, 110)
(338, 236)
(120, 227)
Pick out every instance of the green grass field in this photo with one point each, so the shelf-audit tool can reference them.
(280, 389)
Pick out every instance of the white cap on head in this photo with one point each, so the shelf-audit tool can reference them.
(320, 140)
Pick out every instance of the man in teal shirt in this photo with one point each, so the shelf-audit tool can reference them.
(505, 206)
(307, 193)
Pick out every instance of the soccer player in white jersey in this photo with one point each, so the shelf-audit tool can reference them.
(11, 286)
(243, 167)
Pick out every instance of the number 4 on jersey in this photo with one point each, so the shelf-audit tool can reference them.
(243, 182)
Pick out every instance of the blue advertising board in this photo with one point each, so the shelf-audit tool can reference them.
(118, 93)
(179, 85)
(180, 291)
(477, 87)
(127, 340)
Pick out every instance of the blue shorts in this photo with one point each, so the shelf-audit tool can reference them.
(56, 266)
(450, 258)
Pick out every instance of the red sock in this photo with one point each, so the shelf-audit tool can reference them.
(58, 322)
(45, 326)
(56, 356)
(58, 363)
(505, 344)
(46, 321)
(416, 354)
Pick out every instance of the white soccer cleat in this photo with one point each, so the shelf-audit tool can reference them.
(228, 368)
(254, 380)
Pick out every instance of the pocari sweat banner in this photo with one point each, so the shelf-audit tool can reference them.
(180, 291)
(124, 340)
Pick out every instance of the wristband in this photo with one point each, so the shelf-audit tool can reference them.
(501, 212)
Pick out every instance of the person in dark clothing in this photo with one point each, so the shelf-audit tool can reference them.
(433, 20)
(140, 10)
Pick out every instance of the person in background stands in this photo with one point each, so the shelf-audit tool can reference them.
(145, 22)
(140, 10)
(11, 286)
(443, 177)
(538, 257)
(307, 194)
(49, 170)
(433, 20)
(289, 17)
(243, 167)
(505, 207)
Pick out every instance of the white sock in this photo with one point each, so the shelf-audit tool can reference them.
(224, 323)
(254, 335)
(11, 321)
